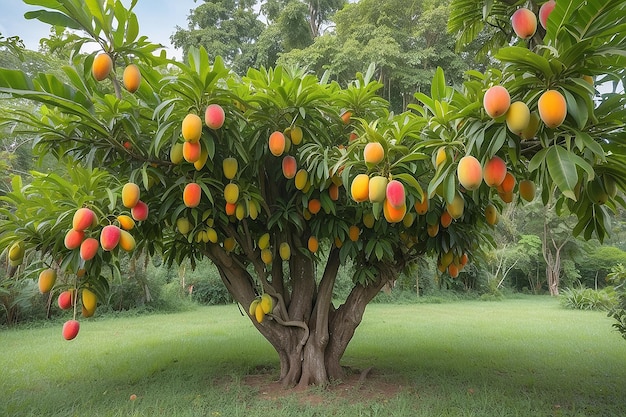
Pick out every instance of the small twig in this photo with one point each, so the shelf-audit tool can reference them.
(364, 376)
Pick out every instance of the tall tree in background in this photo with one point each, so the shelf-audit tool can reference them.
(404, 39)
(252, 33)
(318, 12)
(226, 28)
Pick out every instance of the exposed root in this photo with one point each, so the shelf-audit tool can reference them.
(363, 376)
(292, 323)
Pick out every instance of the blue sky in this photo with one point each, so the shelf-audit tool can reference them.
(157, 20)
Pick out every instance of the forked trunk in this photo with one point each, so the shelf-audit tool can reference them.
(309, 335)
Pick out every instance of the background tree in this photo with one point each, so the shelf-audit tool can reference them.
(226, 28)
(405, 41)
(235, 30)
(275, 188)
(598, 261)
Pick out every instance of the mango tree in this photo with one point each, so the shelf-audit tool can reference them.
(280, 177)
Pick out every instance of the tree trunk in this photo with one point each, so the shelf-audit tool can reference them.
(553, 260)
(308, 334)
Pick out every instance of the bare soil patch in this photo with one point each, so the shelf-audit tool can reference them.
(361, 386)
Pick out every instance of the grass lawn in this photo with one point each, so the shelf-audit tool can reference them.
(522, 357)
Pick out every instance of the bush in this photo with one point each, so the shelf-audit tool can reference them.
(210, 293)
(20, 301)
(617, 277)
(581, 298)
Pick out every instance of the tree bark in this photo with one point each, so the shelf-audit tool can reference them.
(344, 322)
(308, 334)
(553, 260)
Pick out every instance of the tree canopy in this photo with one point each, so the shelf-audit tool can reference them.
(252, 33)
(280, 177)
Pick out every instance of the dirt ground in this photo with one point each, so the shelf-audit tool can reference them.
(356, 386)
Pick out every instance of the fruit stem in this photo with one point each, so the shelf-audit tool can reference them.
(116, 85)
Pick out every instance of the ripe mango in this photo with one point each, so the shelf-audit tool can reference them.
(66, 299)
(110, 237)
(126, 222)
(277, 143)
(192, 195)
(524, 23)
(518, 117)
(127, 241)
(140, 211)
(131, 78)
(359, 188)
(102, 66)
(267, 303)
(395, 194)
(544, 12)
(192, 152)
(313, 244)
(552, 108)
(253, 305)
(191, 128)
(373, 153)
(393, 214)
(46, 280)
(469, 172)
(231, 193)
(89, 248)
(89, 299)
(130, 195)
(70, 329)
(259, 314)
(73, 238)
(214, 116)
(83, 219)
(494, 171)
(289, 166)
(496, 101)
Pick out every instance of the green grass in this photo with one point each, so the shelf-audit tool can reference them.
(524, 357)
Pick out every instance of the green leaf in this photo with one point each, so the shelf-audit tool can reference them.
(97, 13)
(132, 28)
(438, 87)
(410, 180)
(537, 160)
(17, 79)
(562, 170)
(577, 108)
(112, 199)
(53, 18)
(525, 58)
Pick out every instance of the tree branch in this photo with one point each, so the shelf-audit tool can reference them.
(293, 323)
(325, 295)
